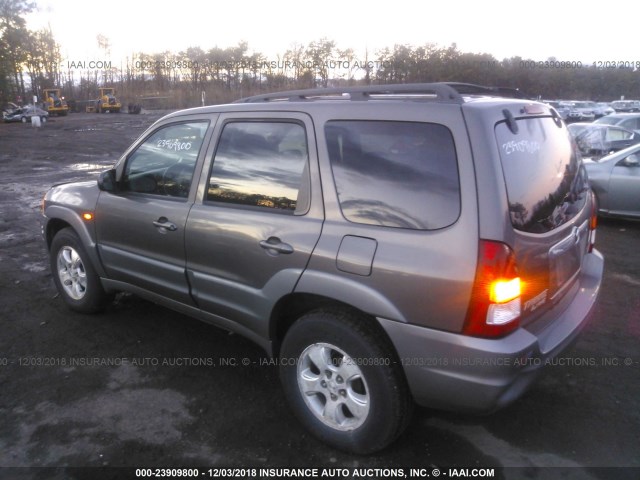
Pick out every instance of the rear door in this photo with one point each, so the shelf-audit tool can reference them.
(400, 237)
(251, 236)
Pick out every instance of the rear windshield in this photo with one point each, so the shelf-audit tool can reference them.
(546, 182)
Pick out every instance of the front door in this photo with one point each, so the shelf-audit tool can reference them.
(141, 226)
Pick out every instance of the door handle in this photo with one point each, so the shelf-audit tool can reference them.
(274, 244)
(164, 223)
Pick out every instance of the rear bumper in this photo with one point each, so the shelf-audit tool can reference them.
(456, 372)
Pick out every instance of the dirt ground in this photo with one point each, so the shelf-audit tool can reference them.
(141, 386)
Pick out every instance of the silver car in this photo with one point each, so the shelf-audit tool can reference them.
(595, 140)
(630, 121)
(615, 180)
(387, 245)
(24, 114)
(581, 112)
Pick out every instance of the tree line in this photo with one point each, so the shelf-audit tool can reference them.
(27, 58)
(31, 61)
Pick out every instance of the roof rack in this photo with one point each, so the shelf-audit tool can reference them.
(441, 92)
(445, 92)
(472, 89)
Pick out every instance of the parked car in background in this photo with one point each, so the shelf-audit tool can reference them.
(615, 180)
(597, 140)
(562, 108)
(626, 106)
(597, 109)
(630, 121)
(605, 108)
(581, 112)
(24, 114)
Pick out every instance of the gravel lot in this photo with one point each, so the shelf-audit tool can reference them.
(141, 386)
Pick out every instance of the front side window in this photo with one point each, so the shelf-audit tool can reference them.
(262, 165)
(395, 174)
(164, 163)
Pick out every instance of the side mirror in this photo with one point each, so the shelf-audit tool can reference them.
(632, 160)
(107, 181)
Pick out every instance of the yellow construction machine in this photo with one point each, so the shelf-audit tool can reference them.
(54, 103)
(108, 101)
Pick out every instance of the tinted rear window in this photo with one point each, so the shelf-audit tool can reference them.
(395, 174)
(546, 182)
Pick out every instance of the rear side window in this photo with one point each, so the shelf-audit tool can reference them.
(395, 174)
(615, 134)
(262, 165)
(546, 183)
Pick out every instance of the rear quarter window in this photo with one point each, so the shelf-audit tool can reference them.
(546, 183)
(395, 174)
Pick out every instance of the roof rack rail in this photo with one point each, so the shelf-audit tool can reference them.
(472, 89)
(441, 92)
(445, 92)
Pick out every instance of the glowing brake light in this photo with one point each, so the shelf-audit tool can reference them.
(503, 291)
(495, 307)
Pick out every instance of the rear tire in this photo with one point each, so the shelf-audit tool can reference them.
(343, 381)
(74, 275)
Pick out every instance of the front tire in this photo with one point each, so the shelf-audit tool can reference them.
(74, 275)
(343, 381)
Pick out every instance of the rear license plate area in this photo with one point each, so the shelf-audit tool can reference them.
(565, 258)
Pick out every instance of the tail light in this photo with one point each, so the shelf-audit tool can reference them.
(494, 309)
(593, 223)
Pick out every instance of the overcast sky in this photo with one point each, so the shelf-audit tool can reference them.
(537, 29)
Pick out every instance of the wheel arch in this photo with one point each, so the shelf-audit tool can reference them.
(61, 218)
(293, 306)
(53, 227)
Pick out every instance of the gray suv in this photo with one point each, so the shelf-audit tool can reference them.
(389, 245)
